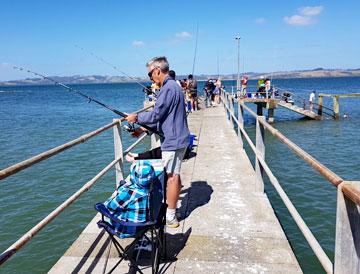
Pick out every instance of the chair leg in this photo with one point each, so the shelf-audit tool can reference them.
(157, 251)
(123, 254)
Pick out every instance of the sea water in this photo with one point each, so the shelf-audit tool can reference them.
(34, 119)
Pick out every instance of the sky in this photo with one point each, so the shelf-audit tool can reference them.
(275, 36)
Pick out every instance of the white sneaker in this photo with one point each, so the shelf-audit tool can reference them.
(173, 223)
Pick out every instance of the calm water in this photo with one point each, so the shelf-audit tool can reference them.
(35, 119)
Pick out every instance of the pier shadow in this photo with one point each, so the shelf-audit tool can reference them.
(198, 194)
(87, 255)
(175, 243)
(189, 155)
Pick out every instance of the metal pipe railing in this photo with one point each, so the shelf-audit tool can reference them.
(347, 189)
(327, 173)
(310, 238)
(331, 176)
(9, 252)
(33, 231)
(54, 151)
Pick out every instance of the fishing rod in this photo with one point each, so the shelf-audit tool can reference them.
(196, 44)
(146, 89)
(120, 113)
(218, 70)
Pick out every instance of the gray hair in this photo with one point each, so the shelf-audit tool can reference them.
(159, 62)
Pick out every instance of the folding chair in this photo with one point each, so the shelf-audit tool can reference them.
(152, 230)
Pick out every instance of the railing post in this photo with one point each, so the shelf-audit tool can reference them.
(155, 141)
(320, 105)
(119, 166)
(336, 106)
(231, 107)
(347, 240)
(228, 106)
(260, 147)
(240, 123)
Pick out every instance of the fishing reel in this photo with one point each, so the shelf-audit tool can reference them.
(130, 127)
(149, 92)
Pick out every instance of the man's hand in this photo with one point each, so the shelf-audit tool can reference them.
(138, 131)
(131, 118)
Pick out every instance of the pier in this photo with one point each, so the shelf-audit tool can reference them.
(271, 104)
(227, 222)
(336, 102)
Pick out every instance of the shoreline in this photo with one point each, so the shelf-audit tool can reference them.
(201, 78)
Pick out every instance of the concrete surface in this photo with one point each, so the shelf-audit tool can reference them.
(225, 226)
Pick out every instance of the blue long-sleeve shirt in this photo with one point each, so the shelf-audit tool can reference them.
(170, 116)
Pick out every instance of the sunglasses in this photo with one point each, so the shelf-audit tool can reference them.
(151, 72)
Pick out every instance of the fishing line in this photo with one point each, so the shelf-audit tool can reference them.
(196, 44)
(218, 69)
(90, 99)
(145, 88)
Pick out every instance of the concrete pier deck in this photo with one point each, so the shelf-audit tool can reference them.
(226, 227)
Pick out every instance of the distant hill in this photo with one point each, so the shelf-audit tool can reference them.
(98, 79)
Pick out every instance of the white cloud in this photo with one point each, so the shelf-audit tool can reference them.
(183, 35)
(138, 44)
(260, 20)
(311, 11)
(305, 18)
(298, 20)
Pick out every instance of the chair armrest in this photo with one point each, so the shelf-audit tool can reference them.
(105, 212)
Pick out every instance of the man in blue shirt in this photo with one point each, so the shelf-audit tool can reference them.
(170, 118)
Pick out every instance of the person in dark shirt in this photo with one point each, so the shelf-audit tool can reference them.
(192, 91)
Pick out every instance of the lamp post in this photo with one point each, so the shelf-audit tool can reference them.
(238, 61)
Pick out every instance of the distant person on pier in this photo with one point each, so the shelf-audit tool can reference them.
(312, 100)
(172, 74)
(260, 82)
(192, 90)
(208, 95)
(267, 87)
(217, 91)
(260, 87)
(218, 83)
(244, 85)
(169, 116)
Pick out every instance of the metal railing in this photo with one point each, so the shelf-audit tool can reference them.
(348, 211)
(285, 95)
(117, 162)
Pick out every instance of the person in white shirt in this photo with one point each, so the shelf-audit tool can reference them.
(312, 100)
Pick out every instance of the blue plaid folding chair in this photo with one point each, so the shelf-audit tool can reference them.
(138, 211)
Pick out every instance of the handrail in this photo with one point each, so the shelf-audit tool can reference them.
(348, 190)
(52, 152)
(331, 176)
(340, 95)
(4, 256)
(9, 252)
(49, 153)
(314, 244)
(302, 98)
(327, 173)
